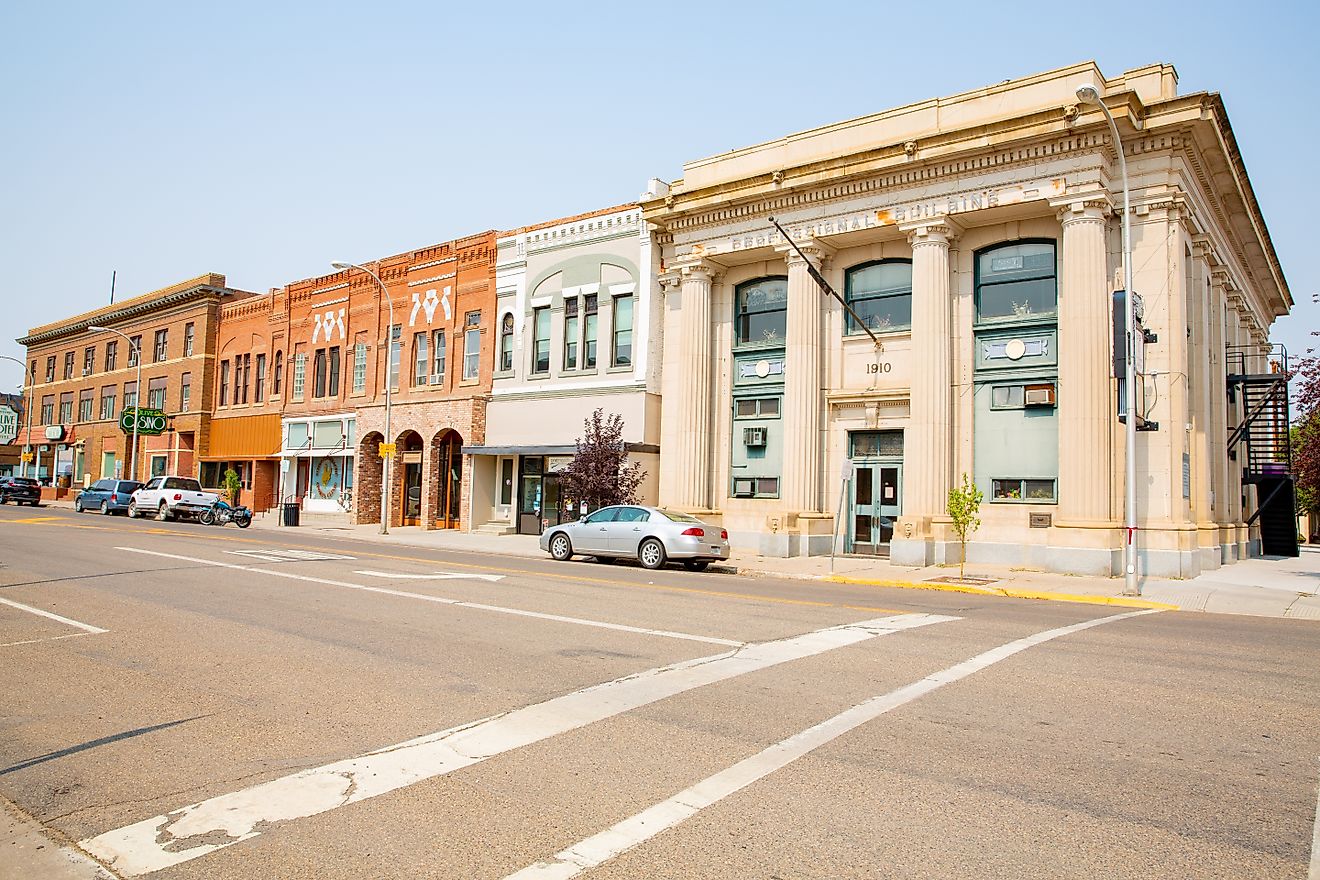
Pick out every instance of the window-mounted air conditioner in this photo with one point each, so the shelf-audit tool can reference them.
(753, 436)
(744, 488)
(1039, 395)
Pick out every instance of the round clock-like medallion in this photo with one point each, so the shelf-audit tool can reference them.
(762, 368)
(1014, 349)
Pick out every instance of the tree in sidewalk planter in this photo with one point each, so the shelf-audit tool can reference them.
(1306, 428)
(232, 486)
(600, 473)
(963, 507)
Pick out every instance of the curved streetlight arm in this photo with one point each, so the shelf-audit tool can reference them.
(389, 383)
(137, 392)
(27, 422)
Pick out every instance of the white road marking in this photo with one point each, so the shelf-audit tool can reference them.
(85, 627)
(288, 555)
(1314, 873)
(618, 839)
(49, 639)
(192, 831)
(443, 600)
(437, 576)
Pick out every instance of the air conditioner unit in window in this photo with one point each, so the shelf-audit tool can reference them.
(1039, 395)
(87, 371)
(753, 436)
(744, 488)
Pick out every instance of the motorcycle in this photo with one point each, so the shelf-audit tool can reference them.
(220, 513)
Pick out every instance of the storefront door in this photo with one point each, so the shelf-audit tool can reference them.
(449, 501)
(411, 502)
(876, 492)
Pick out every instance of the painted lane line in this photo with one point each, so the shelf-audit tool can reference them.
(437, 576)
(48, 639)
(1314, 872)
(85, 627)
(618, 839)
(201, 828)
(444, 600)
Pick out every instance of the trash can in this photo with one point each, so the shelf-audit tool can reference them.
(291, 513)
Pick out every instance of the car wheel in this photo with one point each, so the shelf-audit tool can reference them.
(77, 506)
(561, 548)
(696, 564)
(132, 510)
(105, 508)
(163, 512)
(4, 499)
(651, 554)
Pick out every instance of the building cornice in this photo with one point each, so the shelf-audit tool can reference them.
(129, 311)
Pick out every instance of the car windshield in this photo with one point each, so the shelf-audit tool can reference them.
(675, 516)
(180, 483)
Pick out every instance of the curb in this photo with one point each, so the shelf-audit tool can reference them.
(1010, 592)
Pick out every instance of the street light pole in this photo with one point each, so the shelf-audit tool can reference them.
(27, 422)
(136, 352)
(389, 382)
(1089, 94)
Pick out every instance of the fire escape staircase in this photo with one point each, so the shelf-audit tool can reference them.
(1261, 443)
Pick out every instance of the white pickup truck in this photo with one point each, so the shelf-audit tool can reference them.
(171, 498)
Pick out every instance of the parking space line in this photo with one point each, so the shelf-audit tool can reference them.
(86, 627)
(47, 639)
(444, 600)
(201, 828)
(618, 839)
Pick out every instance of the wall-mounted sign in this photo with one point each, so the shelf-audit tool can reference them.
(54, 432)
(150, 422)
(8, 424)
(557, 463)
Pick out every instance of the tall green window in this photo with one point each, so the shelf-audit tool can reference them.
(881, 295)
(1016, 282)
(762, 311)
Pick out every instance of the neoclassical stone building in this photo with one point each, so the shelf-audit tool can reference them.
(977, 241)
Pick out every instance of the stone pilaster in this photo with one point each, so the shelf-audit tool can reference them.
(1219, 410)
(928, 445)
(800, 485)
(689, 477)
(1086, 409)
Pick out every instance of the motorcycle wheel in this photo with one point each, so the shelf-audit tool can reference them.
(243, 521)
(207, 518)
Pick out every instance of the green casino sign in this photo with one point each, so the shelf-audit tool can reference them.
(150, 422)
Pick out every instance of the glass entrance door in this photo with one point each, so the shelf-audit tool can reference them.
(449, 500)
(411, 505)
(875, 506)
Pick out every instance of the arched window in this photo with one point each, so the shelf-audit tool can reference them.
(506, 343)
(761, 311)
(1016, 282)
(881, 295)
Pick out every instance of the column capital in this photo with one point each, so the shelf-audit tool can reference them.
(1205, 249)
(692, 267)
(817, 252)
(1093, 208)
(940, 231)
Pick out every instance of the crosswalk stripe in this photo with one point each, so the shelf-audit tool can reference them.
(618, 839)
(201, 828)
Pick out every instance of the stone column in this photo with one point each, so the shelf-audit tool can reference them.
(1085, 407)
(800, 486)
(928, 444)
(691, 408)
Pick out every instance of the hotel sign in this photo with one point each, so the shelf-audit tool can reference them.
(906, 212)
(8, 424)
(150, 422)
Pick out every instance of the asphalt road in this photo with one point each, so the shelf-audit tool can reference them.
(207, 704)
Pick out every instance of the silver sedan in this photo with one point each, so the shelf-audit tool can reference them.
(650, 535)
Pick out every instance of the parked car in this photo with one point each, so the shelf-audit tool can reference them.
(20, 490)
(171, 498)
(650, 535)
(107, 496)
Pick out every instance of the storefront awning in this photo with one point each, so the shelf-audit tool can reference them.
(562, 449)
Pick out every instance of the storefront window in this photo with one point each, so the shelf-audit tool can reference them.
(881, 295)
(761, 316)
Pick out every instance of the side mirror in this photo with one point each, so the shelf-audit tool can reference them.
(582, 518)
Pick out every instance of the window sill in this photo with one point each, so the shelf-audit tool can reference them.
(469, 383)
(1052, 501)
(904, 330)
(622, 368)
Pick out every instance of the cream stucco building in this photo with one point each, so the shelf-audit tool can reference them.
(578, 323)
(977, 238)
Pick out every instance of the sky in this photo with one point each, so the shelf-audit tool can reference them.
(262, 140)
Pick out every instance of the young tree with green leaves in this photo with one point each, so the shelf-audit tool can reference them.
(600, 473)
(963, 507)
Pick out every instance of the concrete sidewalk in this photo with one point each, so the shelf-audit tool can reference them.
(28, 853)
(1270, 587)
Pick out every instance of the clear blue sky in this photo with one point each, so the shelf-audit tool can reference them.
(263, 140)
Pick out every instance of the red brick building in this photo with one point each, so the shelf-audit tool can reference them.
(81, 380)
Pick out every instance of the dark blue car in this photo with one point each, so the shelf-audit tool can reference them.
(107, 496)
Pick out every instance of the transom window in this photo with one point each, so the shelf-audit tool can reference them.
(756, 407)
(881, 295)
(761, 311)
(1016, 282)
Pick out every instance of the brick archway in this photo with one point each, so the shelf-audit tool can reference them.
(366, 482)
(445, 479)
